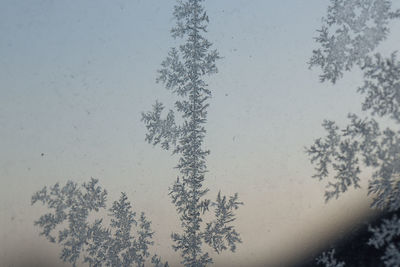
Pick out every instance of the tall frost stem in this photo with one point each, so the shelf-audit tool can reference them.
(183, 72)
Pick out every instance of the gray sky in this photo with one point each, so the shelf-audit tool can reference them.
(75, 76)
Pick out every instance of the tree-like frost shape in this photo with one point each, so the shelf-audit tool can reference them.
(385, 185)
(162, 131)
(382, 86)
(351, 30)
(72, 205)
(328, 259)
(383, 236)
(342, 151)
(220, 234)
(392, 255)
(183, 73)
(111, 246)
(378, 149)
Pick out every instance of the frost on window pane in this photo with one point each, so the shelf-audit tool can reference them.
(328, 259)
(362, 143)
(384, 236)
(351, 30)
(343, 152)
(382, 86)
(184, 72)
(125, 242)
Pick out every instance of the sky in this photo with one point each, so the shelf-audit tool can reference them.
(76, 75)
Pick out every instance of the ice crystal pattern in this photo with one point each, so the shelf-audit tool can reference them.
(362, 142)
(328, 259)
(351, 30)
(350, 34)
(116, 245)
(183, 72)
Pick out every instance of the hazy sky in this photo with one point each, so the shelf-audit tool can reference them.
(76, 75)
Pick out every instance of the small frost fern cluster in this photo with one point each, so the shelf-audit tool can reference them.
(352, 31)
(183, 72)
(329, 260)
(116, 245)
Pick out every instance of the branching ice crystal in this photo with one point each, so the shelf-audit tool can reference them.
(350, 33)
(351, 30)
(71, 206)
(220, 234)
(382, 86)
(183, 73)
(383, 236)
(328, 259)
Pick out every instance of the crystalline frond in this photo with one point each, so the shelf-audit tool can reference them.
(164, 131)
(220, 234)
(351, 30)
(328, 259)
(392, 255)
(382, 86)
(95, 196)
(323, 150)
(186, 22)
(183, 72)
(189, 206)
(345, 152)
(385, 232)
(99, 245)
(368, 131)
(190, 249)
(385, 185)
(122, 216)
(72, 204)
(182, 194)
(121, 240)
(385, 236)
(98, 241)
(173, 73)
(340, 153)
(156, 260)
(184, 66)
(144, 235)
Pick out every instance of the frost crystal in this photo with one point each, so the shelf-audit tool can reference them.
(110, 246)
(351, 30)
(384, 236)
(382, 86)
(219, 234)
(362, 139)
(328, 259)
(342, 151)
(183, 73)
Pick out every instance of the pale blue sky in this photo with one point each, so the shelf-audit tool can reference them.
(75, 76)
